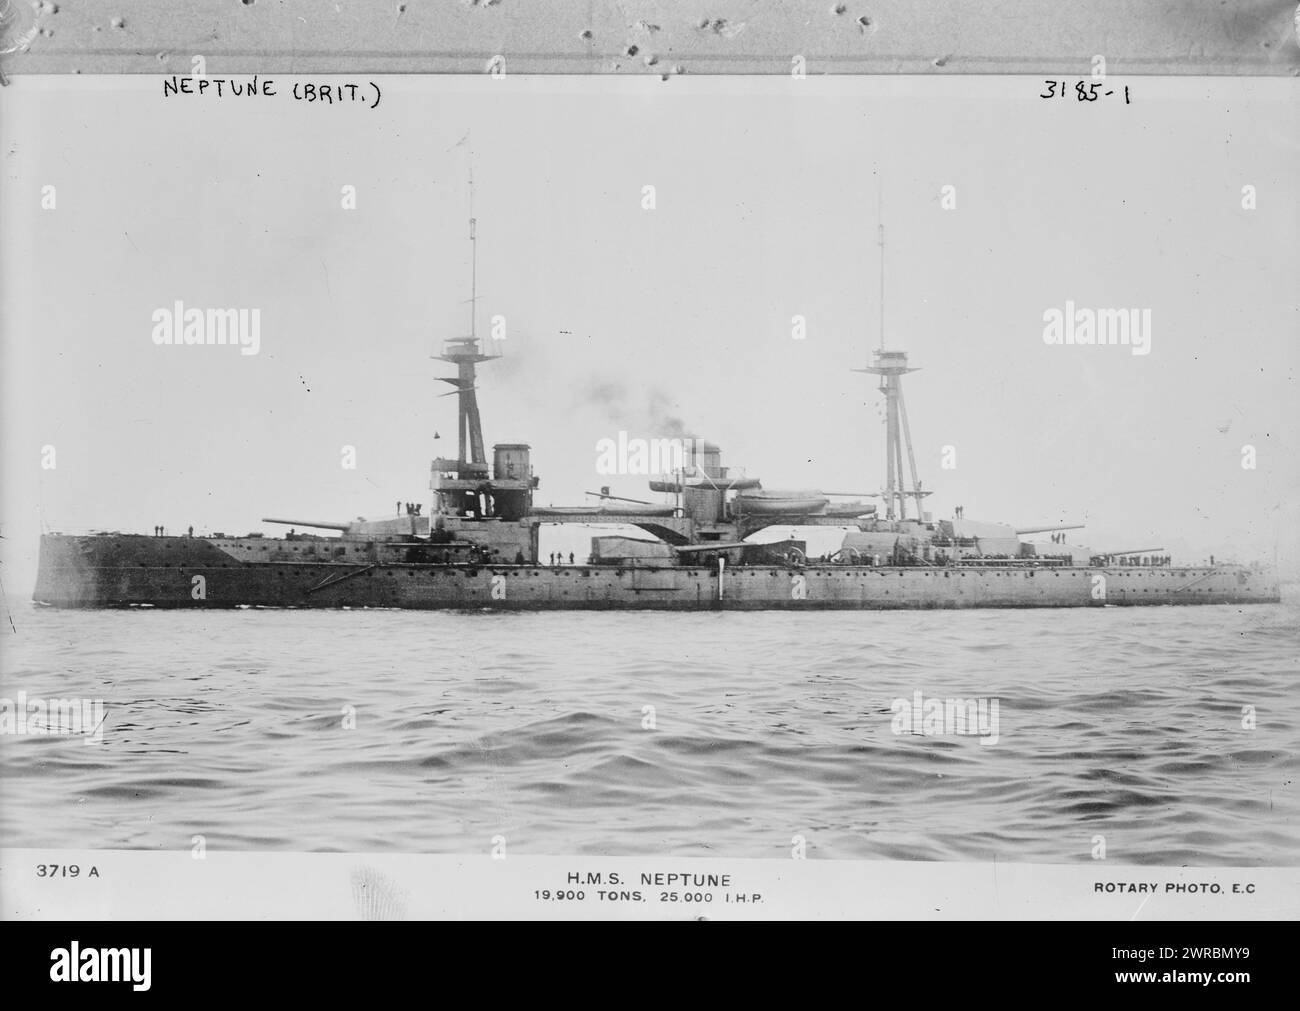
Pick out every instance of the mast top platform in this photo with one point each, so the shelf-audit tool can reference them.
(888, 363)
(463, 349)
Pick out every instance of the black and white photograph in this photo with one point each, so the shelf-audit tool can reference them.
(814, 493)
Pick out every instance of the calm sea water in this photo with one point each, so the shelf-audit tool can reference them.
(1118, 722)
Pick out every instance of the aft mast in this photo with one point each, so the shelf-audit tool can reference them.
(891, 366)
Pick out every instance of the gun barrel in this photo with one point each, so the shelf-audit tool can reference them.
(309, 523)
(618, 498)
(1043, 530)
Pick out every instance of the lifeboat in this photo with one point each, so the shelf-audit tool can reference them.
(782, 502)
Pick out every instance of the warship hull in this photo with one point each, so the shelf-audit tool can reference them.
(115, 570)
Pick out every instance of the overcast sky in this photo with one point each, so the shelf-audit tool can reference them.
(617, 316)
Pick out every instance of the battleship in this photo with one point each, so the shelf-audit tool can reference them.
(478, 546)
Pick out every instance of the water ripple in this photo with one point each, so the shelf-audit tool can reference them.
(1172, 732)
